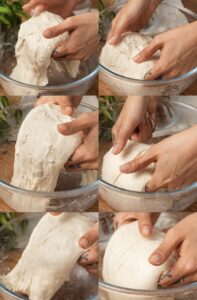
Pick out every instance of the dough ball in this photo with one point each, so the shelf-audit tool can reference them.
(126, 260)
(119, 58)
(135, 181)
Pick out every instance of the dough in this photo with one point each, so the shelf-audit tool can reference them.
(119, 58)
(133, 182)
(33, 51)
(40, 154)
(50, 256)
(126, 257)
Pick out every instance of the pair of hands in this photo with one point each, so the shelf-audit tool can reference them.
(181, 238)
(173, 61)
(175, 156)
(83, 40)
(86, 155)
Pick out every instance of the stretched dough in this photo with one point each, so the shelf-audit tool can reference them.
(135, 181)
(119, 58)
(33, 51)
(126, 257)
(51, 254)
(40, 154)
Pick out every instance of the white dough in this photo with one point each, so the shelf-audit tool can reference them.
(33, 51)
(119, 58)
(40, 154)
(135, 181)
(51, 254)
(126, 257)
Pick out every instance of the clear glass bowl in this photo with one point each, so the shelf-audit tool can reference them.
(14, 238)
(60, 83)
(111, 292)
(123, 86)
(72, 192)
(173, 116)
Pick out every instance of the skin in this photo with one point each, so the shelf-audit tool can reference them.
(132, 17)
(60, 7)
(136, 121)
(89, 241)
(86, 155)
(67, 103)
(83, 40)
(173, 61)
(181, 238)
(175, 158)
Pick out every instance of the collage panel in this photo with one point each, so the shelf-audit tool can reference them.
(98, 123)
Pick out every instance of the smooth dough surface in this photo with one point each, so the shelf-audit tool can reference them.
(119, 58)
(126, 257)
(51, 254)
(40, 154)
(135, 181)
(33, 51)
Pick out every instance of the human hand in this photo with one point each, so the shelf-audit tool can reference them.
(136, 121)
(83, 40)
(146, 221)
(175, 158)
(178, 52)
(86, 155)
(89, 241)
(132, 17)
(67, 103)
(181, 238)
(59, 7)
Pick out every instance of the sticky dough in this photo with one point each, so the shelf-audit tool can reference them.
(40, 154)
(33, 51)
(135, 181)
(51, 254)
(120, 58)
(126, 257)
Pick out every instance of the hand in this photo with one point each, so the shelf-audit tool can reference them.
(67, 103)
(59, 7)
(137, 121)
(89, 241)
(83, 40)
(175, 158)
(183, 239)
(86, 155)
(146, 221)
(132, 17)
(178, 52)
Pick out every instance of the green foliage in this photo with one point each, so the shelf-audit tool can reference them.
(107, 116)
(11, 14)
(105, 16)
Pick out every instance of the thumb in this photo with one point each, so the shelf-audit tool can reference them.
(145, 224)
(139, 163)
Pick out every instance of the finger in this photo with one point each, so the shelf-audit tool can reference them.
(55, 213)
(83, 166)
(156, 72)
(123, 219)
(90, 237)
(139, 163)
(163, 252)
(85, 121)
(145, 224)
(45, 100)
(89, 257)
(189, 279)
(55, 31)
(148, 52)
(66, 105)
(179, 270)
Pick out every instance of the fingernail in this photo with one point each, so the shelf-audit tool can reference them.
(112, 40)
(137, 58)
(57, 52)
(146, 230)
(68, 110)
(35, 12)
(62, 127)
(155, 259)
(84, 256)
(47, 34)
(116, 149)
(125, 169)
(84, 243)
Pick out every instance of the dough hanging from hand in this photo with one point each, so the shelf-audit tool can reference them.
(126, 260)
(135, 181)
(40, 154)
(119, 58)
(51, 254)
(33, 51)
